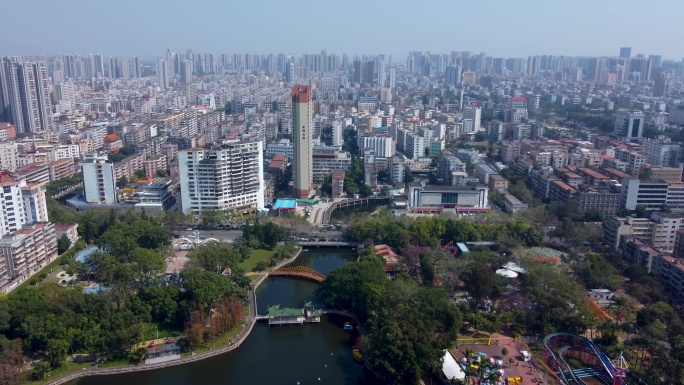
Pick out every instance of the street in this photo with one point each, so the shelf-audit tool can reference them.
(221, 235)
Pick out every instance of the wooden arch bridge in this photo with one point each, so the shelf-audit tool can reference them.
(299, 271)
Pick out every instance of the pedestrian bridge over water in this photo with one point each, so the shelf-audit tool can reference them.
(300, 272)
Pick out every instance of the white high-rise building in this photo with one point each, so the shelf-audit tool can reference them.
(227, 176)
(22, 203)
(35, 204)
(474, 113)
(98, 179)
(302, 167)
(381, 144)
(392, 76)
(13, 215)
(337, 133)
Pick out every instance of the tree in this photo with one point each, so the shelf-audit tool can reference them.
(148, 265)
(384, 190)
(479, 280)
(162, 173)
(140, 173)
(408, 175)
(57, 350)
(427, 271)
(215, 257)
(122, 182)
(645, 173)
(365, 190)
(63, 244)
(212, 217)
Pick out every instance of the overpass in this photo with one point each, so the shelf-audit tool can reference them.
(350, 203)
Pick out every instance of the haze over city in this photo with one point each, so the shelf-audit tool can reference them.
(501, 28)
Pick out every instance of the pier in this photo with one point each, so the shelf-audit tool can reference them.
(291, 316)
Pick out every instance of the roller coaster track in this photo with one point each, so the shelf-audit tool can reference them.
(576, 341)
(300, 272)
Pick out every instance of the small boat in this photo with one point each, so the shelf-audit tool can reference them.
(348, 326)
(358, 356)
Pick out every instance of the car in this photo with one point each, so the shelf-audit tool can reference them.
(188, 229)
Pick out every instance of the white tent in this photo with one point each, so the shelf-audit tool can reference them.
(507, 273)
(452, 370)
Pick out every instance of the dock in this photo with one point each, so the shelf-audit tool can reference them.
(292, 316)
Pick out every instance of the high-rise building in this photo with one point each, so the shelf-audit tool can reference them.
(381, 74)
(113, 70)
(227, 176)
(382, 145)
(392, 76)
(35, 204)
(474, 113)
(364, 72)
(99, 65)
(337, 133)
(629, 125)
(25, 252)
(22, 203)
(163, 74)
(289, 73)
(453, 75)
(185, 71)
(626, 52)
(25, 95)
(303, 161)
(137, 69)
(124, 67)
(662, 84)
(98, 179)
(661, 153)
(13, 215)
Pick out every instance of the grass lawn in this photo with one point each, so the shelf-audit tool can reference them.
(257, 256)
(66, 368)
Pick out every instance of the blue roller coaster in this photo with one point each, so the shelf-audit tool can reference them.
(559, 347)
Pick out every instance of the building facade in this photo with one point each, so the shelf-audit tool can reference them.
(302, 165)
(229, 176)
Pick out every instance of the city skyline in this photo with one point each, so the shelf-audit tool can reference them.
(586, 29)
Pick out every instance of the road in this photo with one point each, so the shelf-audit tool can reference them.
(221, 235)
(231, 235)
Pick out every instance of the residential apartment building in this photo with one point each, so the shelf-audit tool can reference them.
(25, 252)
(324, 164)
(228, 176)
(98, 179)
(661, 153)
(381, 144)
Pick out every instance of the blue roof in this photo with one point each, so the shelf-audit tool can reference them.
(285, 204)
(462, 247)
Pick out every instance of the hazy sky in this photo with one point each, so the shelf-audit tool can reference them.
(501, 28)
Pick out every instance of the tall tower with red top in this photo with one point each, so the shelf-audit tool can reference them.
(302, 166)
